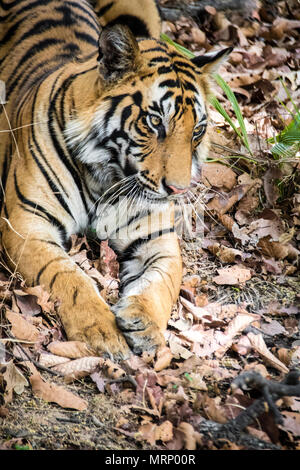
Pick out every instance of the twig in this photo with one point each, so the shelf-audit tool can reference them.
(34, 362)
(271, 392)
(126, 378)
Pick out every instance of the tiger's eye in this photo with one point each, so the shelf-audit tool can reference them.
(155, 120)
(199, 131)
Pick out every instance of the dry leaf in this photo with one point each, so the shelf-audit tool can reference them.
(259, 345)
(21, 328)
(236, 326)
(53, 393)
(51, 360)
(79, 367)
(234, 275)
(189, 438)
(220, 176)
(70, 349)
(164, 432)
(213, 410)
(43, 298)
(164, 358)
(15, 381)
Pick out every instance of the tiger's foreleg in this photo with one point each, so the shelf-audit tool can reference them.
(35, 249)
(150, 281)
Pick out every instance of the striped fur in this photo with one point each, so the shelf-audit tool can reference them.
(98, 115)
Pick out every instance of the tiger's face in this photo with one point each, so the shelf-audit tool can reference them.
(150, 120)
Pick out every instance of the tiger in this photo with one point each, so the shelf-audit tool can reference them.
(103, 128)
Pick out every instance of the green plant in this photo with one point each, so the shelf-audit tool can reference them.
(286, 143)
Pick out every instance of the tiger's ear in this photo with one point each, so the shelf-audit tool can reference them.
(118, 52)
(209, 63)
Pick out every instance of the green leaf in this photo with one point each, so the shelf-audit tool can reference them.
(187, 376)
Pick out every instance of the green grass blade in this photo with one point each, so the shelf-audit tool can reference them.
(290, 97)
(232, 98)
(177, 46)
(217, 105)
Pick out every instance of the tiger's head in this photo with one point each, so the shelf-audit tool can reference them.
(149, 118)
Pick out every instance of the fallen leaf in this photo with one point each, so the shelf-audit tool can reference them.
(70, 349)
(14, 381)
(79, 367)
(234, 275)
(217, 175)
(21, 328)
(189, 437)
(164, 358)
(53, 393)
(164, 432)
(258, 344)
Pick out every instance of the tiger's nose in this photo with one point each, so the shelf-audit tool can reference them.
(171, 189)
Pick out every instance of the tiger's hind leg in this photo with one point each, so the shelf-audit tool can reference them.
(151, 280)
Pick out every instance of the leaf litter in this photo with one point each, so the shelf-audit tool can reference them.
(244, 275)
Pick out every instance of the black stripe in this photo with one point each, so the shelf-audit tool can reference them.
(189, 86)
(5, 174)
(52, 185)
(127, 254)
(43, 269)
(86, 38)
(36, 206)
(43, 156)
(104, 9)
(114, 102)
(150, 261)
(55, 277)
(33, 212)
(75, 294)
(169, 84)
(36, 49)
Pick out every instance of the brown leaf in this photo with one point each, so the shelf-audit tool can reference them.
(273, 249)
(108, 261)
(259, 345)
(189, 437)
(217, 175)
(291, 422)
(79, 367)
(225, 201)
(27, 303)
(225, 253)
(43, 298)
(237, 325)
(164, 358)
(53, 393)
(147, 432)
(51, 360)
(164, 432)
(271, 189)
(15, 381)
(70, 349)
(21, 328)
(213, 410)
(233, 275)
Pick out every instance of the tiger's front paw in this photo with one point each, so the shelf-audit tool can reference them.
(98, 329)
(140, 331)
